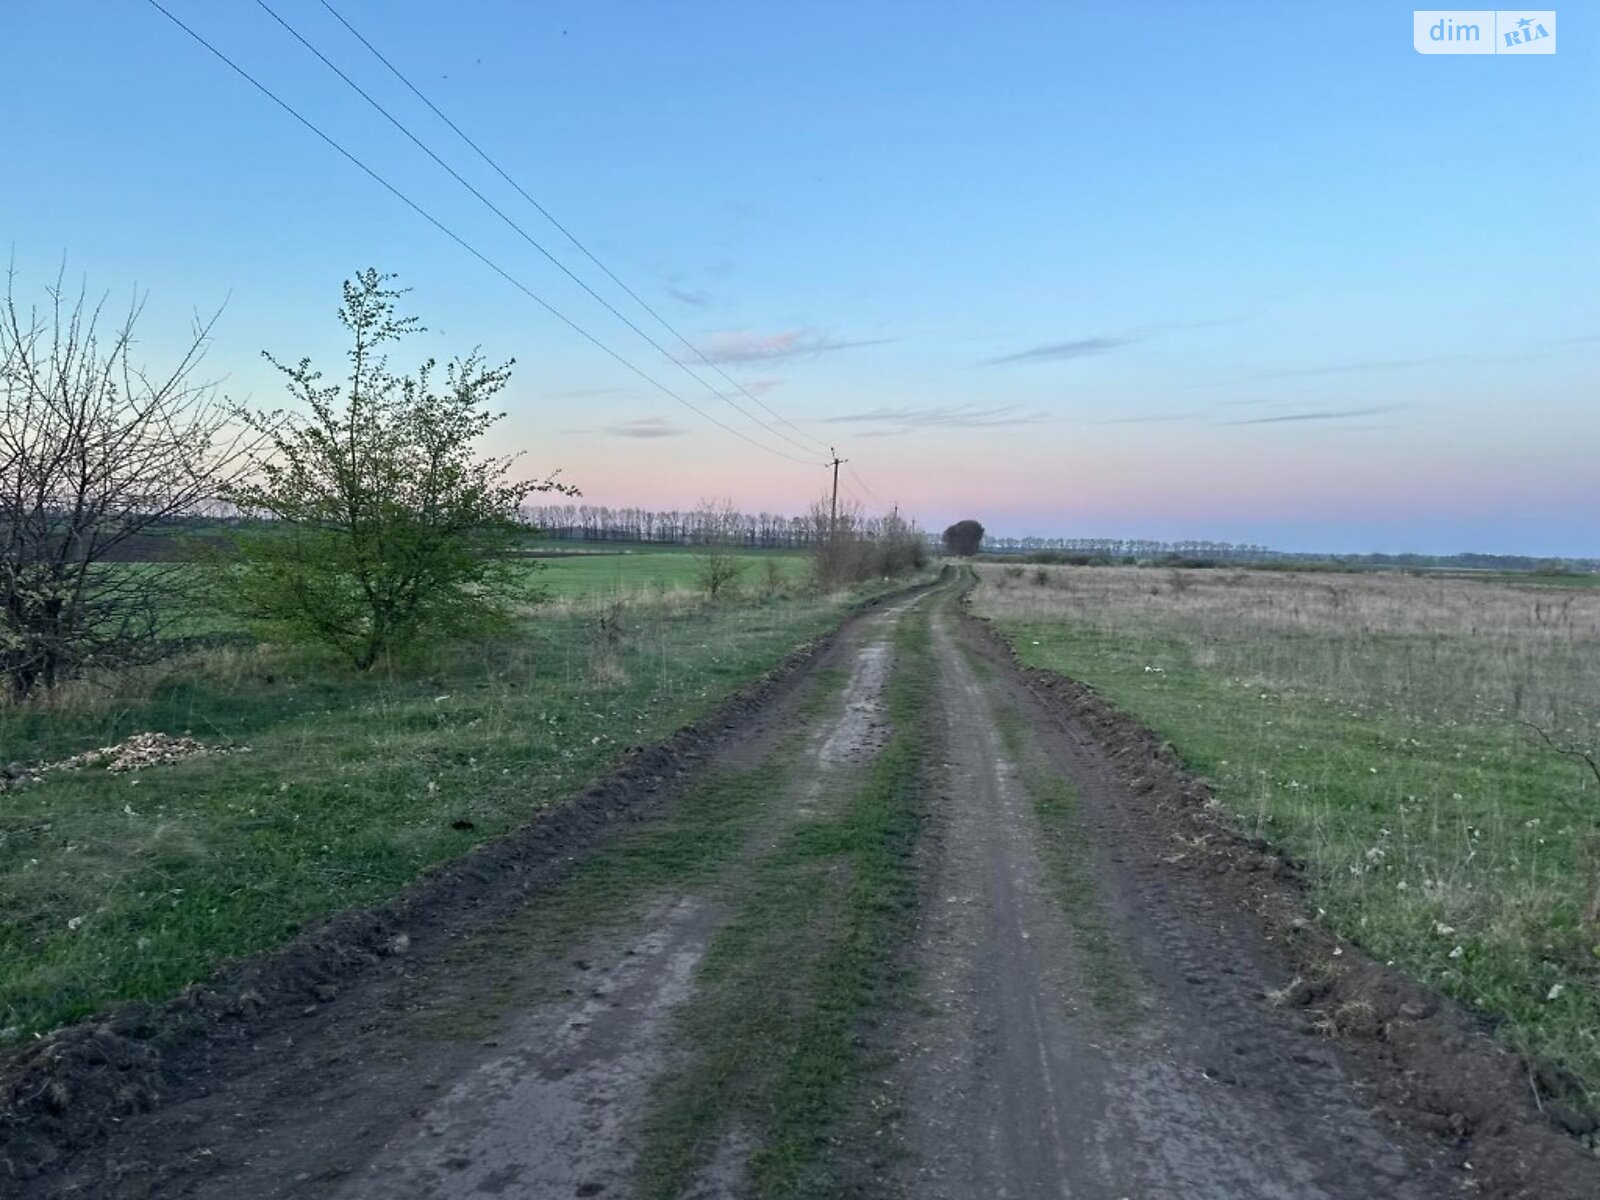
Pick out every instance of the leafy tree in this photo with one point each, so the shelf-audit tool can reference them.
(383, 524)
(963, 539)
(100, 459)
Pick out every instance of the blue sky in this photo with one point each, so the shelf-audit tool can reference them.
(1252, 272)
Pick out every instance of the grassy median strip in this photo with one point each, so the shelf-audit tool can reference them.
(771, 1044)
(1108, 976)
(324, 789)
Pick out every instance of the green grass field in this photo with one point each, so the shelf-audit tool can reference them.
(564, 574)
(1564, 580)
(330, 788)
(597, 574)
(1372, 726)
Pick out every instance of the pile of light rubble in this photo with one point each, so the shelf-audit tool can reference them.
(132, 754)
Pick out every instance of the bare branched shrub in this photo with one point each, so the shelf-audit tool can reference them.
(850, 549)
(835, 543)
(609, 622)
(97, 454)
(718, 562)
(898, 547)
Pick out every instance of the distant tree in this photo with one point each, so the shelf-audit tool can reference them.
(384, 525)
(96, 455)
(718, 561)
(963, 539)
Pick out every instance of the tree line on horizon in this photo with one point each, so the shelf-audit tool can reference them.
(688, 527)
(1116, 550)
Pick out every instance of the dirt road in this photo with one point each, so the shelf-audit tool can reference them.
(900, 930)
(1029, 1077)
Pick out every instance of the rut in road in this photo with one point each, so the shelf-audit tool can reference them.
(1086, 1033)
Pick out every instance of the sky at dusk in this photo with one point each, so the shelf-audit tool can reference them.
(1247, 272)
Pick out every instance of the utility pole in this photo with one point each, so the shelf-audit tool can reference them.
(833, 518)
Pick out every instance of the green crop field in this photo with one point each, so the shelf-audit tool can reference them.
(597, 574)
(565, 575)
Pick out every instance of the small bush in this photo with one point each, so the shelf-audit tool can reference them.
(773, 581)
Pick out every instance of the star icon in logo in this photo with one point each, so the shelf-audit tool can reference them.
(1525, 22)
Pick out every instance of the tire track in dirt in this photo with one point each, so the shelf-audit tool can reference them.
(550, 1116)
(1014, 1084)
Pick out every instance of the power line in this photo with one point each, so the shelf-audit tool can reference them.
(463, 243)
(518, 229)
(863, 485)
(570, 236)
